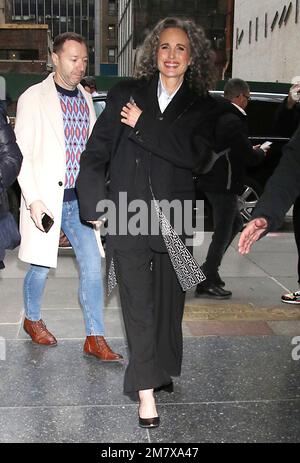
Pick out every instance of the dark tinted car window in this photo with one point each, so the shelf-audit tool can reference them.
(261, 118)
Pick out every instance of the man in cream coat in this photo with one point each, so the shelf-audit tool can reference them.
(54, 120)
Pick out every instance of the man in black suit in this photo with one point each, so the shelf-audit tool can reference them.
(225, 181)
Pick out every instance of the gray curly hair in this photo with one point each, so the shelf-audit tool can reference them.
(201, 73)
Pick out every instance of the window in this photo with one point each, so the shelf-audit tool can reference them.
(112, 7)
(111, 31)
(111, 58)
(19, 55)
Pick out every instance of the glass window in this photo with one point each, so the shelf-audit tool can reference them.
(17, 55)
(112, 7)
(84, 8)
(111, 55)
(99, 106)
(48, 11)
(63, 9)
(91, 8)
(25, 8)
(261, 117)
(32, 12)
(111, 31)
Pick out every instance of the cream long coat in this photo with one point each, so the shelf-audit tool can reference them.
(40, 135)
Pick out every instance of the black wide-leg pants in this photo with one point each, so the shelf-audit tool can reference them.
(152, 303)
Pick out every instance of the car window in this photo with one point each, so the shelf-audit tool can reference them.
(99, 107)
(261, 118)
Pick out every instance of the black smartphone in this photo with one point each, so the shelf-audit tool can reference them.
(47, 222)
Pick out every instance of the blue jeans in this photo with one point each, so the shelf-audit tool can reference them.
(85, 246)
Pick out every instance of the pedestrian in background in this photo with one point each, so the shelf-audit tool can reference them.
(225, 181)
(10, 164)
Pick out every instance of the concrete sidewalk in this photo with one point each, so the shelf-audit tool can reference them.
(240, 382)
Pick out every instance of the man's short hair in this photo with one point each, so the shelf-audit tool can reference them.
(235, 87)
(62, 38)
(89, 81)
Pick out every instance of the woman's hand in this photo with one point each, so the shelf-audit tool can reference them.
(130, 114)
(252, 233)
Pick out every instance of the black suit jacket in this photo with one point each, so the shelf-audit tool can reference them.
(231, 131)
(161, 150)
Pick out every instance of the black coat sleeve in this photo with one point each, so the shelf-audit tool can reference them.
(10, 154)
(90, 184)
(286, 120)
(283, 187)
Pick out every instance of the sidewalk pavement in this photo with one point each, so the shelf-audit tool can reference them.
(240, 375)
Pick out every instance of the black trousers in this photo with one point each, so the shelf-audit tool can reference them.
(152, 303)
(296, 223)
(227, 222)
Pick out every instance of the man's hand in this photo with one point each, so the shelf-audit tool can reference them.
(265, 148)
(37, 210)
(251, 233)
(294, 96)
(130, 114)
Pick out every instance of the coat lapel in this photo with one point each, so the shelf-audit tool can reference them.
(180, 103)
(52, 108)
(145, 96)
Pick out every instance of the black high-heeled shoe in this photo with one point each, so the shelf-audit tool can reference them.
(149, 422)
(166, 387)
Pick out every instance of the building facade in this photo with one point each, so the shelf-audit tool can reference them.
(266, 40)
(137, 17)
(108, 11)
(27, 50)
(125, 38)
(62, 16)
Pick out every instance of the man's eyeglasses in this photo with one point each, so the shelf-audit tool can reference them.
(248, 97)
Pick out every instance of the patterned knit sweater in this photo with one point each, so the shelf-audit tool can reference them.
(76, 128)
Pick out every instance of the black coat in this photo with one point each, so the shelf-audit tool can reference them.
(283, 187)
(287, 120)
(10, 157)
(161, 149)
(10, 164)
(231, 131)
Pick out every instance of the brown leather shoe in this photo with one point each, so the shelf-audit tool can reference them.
(97, 346)
(39, 333)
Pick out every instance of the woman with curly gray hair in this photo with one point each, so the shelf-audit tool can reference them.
(201, 72)
(151, 135)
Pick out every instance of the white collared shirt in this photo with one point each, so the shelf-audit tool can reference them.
(164, 98)
(241, 109)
